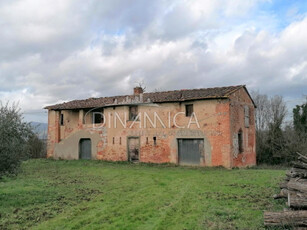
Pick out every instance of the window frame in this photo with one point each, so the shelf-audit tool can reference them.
(246, 116)
(132, 116)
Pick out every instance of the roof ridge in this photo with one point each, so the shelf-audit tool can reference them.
(178, 90)
(213, 92)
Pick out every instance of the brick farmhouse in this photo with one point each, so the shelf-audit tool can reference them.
(206, 127)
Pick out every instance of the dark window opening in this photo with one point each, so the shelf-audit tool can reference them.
(133, 112)
(240, 141)
(147, 140)
(155, 140)
(120, 140)
(62, 119)
(188, 110)
(98, 117)
(113, 140)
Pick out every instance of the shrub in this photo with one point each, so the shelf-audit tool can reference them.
(14, 137)
(37, 147)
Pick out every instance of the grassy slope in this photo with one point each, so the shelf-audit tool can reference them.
(96, 195)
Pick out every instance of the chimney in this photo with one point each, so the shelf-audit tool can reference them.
(137, 90)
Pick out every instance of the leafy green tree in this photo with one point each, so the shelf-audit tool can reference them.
(14, 137)
(300, 118)
(300, 127)
(37, 147)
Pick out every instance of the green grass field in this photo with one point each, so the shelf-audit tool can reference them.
(51, 194)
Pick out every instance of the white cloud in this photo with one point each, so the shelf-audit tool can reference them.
(52, 51)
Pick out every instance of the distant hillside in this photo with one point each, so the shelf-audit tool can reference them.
(40, 129)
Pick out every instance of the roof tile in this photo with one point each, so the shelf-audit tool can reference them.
(154, 97)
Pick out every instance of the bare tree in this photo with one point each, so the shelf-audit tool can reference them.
(269, 116)
(141, 84)
(262, 115)
(278, 111)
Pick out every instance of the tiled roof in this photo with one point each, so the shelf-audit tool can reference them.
(154, 97)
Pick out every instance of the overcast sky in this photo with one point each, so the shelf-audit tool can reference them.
(53, 51)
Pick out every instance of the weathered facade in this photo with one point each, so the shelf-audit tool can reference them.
(207, 127)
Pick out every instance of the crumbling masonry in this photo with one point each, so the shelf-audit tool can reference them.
(206, 127)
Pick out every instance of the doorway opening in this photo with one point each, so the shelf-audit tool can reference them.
(133, 149)
(85, 149)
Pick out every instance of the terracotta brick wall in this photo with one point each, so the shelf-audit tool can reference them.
(239, 100)
(218, 120)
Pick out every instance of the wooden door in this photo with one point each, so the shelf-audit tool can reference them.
(190, 151)
(133, 149)
(85, 149)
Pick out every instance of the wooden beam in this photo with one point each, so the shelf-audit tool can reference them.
(286, 218)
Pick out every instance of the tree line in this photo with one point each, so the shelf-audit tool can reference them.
(18, 141)
(277, 137)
